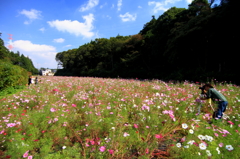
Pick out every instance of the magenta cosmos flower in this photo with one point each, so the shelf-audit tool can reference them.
(102, 148)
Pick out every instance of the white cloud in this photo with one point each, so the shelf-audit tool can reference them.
(119, 4)
(139, 6)
(101, 6)
(89, 5)
(161, 5)
(42, 29)
(112, 6)
(189, 1)
(75, 27)
(28, 46)
(128, 17)
(68, 46)
(31, 15)
(60, 40)
(41, 55)
(158, 6)
(171, 1)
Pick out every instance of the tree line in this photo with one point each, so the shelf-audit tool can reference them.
(197, 43)
(14, 68)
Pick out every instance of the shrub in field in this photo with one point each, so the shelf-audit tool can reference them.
(72, 117)
(12, 75)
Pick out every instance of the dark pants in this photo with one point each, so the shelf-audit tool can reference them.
(221, 108)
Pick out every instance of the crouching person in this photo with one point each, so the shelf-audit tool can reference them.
(218, 97)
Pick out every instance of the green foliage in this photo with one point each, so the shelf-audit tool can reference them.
(12, 75)
(11, 90)
(14, 70)
(16, 59)
(181, 44)
(3, 49)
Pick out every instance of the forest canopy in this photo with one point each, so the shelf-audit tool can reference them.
(197, 43)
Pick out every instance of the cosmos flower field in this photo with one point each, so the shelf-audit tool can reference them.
(83, 117)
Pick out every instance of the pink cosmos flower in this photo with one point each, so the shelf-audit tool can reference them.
(231, 123)
(50, 121)
(145, 107)
(225, 132)
(64, 104)
(147, 150)
(92, 142)
(56, 90)
(30, 157)
(170, 112)
(216, 134)
(158, 136)
(53, 109)
(220, 145)
(25, 154)
(165, 112)
(183, 139)
(102, 148)
(111, 151)
(74, 105)
(9, 125)
(135, 126)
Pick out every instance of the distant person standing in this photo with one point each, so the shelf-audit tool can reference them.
(29, 80)
(36, 81)
(32, 80)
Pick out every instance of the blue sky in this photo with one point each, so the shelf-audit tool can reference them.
(42, 28)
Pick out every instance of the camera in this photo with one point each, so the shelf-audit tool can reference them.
(202, 89)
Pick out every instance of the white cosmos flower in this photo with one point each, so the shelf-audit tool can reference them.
(126, 134)
(178, 145)
(202, 146)
(190, 142)
(64, 147)
(191, 131)
(229, 147)
(218, 150)
(201, 137)
(187, 146)
(184, 126)
(209, 138)
(208, 153)
(192, 127)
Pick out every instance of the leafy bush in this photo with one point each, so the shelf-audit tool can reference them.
(12, 75)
